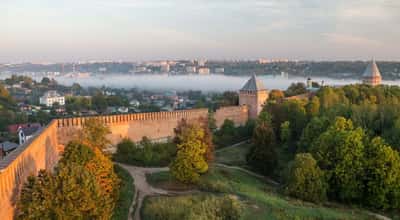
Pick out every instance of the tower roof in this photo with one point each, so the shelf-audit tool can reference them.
(253, 84)
(372, 70)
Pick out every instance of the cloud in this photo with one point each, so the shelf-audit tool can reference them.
(350, 40)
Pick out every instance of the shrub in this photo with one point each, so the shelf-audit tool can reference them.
(145, 153)
(126, 194)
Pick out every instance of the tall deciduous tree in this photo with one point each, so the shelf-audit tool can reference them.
(190, 161)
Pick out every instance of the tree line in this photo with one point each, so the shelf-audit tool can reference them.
(341, 144)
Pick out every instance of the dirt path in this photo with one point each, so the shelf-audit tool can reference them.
(143, 188)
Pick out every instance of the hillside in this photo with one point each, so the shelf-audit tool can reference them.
(257, 198)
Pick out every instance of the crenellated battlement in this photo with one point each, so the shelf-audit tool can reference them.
(123, 118)
(43, 150)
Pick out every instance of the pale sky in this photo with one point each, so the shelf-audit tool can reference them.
(134, 30)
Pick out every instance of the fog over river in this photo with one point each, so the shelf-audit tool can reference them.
(205, 83)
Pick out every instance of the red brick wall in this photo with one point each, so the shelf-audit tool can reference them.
(43, 150)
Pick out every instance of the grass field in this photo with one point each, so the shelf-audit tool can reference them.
(260, 200)
(233, 156)
(195, 206)
(126, 194)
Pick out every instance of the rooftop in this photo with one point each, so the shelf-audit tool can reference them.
(253, 84)
(372, 70)
(51, 94)
(8, 146)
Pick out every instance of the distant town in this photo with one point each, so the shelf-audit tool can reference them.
(263, 66)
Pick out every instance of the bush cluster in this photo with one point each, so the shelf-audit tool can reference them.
(145, 153)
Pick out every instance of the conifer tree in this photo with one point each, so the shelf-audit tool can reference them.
(263, 155)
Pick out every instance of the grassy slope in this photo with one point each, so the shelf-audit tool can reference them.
(233, 156)
(194, 206)
(126, 194)
(261, 201)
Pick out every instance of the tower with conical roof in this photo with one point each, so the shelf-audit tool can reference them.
(253, 95)
(372, 75)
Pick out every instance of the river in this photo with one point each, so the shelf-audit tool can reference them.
(205, 83)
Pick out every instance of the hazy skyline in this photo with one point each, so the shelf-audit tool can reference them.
(135, 30)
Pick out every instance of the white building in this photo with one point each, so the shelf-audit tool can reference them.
(51, 97)
(204, 71)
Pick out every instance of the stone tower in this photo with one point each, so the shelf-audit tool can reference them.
(372, 75)
(253, 95)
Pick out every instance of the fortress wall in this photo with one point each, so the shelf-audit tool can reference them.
(40, 152)
(238, 114)
(154, 125)
(43, 150)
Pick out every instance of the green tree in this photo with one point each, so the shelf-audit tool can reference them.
(83, 186)
(313, 130)
(296, 89)
(45, 81)
(306, 180)
(297, 118)
(99, 102)
(329, 97)
(190, 161)
(340, 152)
(382, 175)
(36, 197)
(285, 132)
(77, 194)
(263, 155)
(313, 107)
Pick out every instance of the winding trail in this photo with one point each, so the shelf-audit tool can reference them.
(143, 188)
